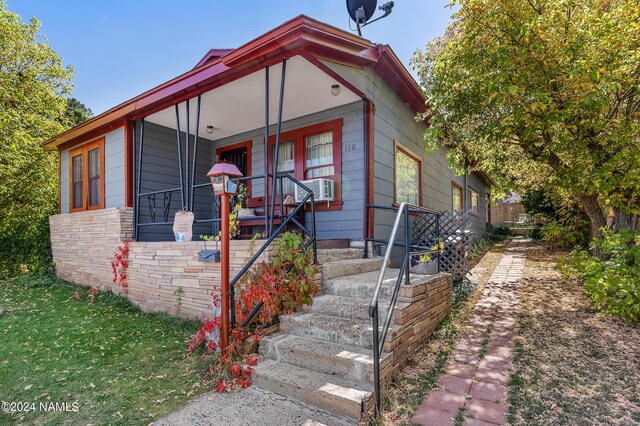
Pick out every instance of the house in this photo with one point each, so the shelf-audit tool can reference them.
(321, 105)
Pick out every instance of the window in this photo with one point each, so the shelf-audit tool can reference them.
(286, 164)
(408, 179)
(319, 155)
(456, 197)
(474, 200)
(86, 180)
(309, 153)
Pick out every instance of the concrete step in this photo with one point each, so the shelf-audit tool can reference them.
(330, 358)
(343, 268)
(334, 255)
(344, 331)
(363, 285)
(347, 307)
(336, 394)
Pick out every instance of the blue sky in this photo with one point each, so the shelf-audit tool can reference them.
(121, 48)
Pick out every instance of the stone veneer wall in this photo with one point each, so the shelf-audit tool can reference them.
(84, 243)
(419, 310)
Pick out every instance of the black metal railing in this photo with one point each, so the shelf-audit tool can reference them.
(424, 221)
(288, 218)
(167, 196)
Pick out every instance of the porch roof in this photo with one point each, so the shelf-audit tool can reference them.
(302, 35)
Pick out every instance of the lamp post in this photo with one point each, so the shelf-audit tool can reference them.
(224, 179)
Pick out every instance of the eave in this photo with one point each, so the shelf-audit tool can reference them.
(299, 36)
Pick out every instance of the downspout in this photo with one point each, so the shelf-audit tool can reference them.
(465, 201)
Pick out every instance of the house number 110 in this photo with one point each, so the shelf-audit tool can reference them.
(350, 147)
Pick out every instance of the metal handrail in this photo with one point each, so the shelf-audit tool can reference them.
(378, 341)
(289, 218)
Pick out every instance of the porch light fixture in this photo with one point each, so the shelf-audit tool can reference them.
(224, 179)
(209, 129)
(335, 89)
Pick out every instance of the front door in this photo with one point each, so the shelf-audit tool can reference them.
(237, 156)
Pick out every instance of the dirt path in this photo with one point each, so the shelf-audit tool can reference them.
(571, 367)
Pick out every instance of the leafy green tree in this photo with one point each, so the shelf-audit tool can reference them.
(33, 87)
(542, 93)
(76, 112)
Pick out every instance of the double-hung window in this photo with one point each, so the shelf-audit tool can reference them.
(408, 176)
(474, 201)
(309, 153)
(86, 176)
(456, 197)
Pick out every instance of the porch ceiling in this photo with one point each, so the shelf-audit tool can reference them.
(238, 106)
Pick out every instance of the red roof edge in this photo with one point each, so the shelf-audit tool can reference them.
(211, 55)
(294, 37)
(397, 76)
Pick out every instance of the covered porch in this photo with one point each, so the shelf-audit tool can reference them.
(295, 119)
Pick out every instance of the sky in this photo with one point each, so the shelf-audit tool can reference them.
(121, 48)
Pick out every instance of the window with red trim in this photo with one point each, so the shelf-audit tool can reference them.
(309, 153)
(86, 176)
(456, 197)
(407, 176)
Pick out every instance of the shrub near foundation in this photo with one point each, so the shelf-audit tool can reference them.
(613, 281)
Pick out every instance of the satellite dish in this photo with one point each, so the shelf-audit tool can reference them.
(361, 10)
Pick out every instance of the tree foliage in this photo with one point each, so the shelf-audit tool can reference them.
(76, 112)
(542, 93)
(33, 87)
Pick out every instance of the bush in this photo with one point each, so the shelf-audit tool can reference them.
(564, 236)
(613, 282)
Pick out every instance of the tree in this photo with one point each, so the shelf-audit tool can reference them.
(76, 112)
(33, 87)
(542, 93)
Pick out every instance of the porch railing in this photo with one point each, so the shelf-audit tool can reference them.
(166, 195)
(424, 220)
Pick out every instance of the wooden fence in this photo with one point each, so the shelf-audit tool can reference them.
(506, 214)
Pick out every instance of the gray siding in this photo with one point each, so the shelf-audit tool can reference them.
(160, 171)
(395, 121)
(114, 171)
(345, 223)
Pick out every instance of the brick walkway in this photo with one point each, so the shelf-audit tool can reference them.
(476, 375)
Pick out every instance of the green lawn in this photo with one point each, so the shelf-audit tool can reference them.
(119, 364)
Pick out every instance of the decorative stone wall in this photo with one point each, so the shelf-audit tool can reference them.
(420, 308)
(83, 244)
(161, 276)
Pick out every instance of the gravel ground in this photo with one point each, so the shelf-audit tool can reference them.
(571, 366)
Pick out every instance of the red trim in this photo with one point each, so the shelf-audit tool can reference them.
(59, 186)
(128, 164)
(455, 185)
(83, 151)
(211, 55)
(397, 146)
(331, 73)
(92, 135)
(298, 137)
(247, 145)
(370, 113)
(295, 37)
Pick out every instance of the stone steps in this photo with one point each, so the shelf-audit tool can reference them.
(335, 255)
(330, 358)
(322, 356)
(344, 268)
(331, 392)
(363, 285)
(346, 307)
(345, 331)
